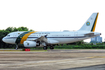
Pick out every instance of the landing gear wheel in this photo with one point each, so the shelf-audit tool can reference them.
(51, 47)
(45, 48)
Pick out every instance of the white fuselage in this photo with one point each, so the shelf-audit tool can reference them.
(60, 37)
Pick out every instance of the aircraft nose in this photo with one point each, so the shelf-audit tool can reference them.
(3, 39)
(10, 41)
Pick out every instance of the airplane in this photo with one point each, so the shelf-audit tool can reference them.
(50, 39)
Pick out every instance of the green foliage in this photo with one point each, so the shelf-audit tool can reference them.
(12, 29)
(22, 29)
(83, 46)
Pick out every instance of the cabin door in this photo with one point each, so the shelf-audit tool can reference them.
(76, 35)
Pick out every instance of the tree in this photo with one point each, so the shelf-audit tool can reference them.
(10, 29)
(23, 29)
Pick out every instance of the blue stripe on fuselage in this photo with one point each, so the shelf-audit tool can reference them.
(50, 37)
(61, 37)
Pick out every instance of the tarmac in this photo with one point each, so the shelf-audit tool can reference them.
(52, 59)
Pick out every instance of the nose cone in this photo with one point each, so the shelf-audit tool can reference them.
(3, 39)
(9, 40)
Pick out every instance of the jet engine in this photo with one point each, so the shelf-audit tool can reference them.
(29, 43)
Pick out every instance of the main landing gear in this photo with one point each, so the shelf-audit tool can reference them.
(45, 48)
(51, 47)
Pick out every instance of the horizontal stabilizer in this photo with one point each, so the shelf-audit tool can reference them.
(89, 34)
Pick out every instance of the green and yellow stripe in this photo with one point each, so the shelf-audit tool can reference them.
(94, 25)
(23, 37)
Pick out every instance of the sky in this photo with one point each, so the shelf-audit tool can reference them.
(51, 15)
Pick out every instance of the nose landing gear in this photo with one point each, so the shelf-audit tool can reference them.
(16, 46)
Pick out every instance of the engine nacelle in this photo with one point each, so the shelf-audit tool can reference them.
(29, 43)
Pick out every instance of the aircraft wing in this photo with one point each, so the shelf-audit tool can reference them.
(42, 39)
(48, 41)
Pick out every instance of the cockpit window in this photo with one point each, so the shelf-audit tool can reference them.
(8, 35)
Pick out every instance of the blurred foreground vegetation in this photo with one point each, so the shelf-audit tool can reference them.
(76, 45)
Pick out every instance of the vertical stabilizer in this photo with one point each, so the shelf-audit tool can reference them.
(90, 24)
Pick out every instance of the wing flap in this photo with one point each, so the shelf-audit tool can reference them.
(42, 38)
(48, 41)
